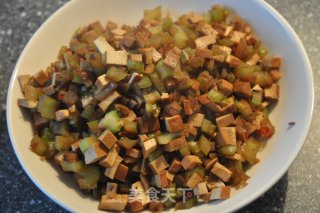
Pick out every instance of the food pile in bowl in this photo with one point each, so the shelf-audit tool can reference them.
(163, 114)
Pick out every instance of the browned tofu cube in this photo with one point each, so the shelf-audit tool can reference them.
(118, 203)
(174, 123)
(23, 80)
(119, 57)
(96, 152)
(196, 119)
(272, 93)
(275, 75)
(190, 161)
(108, 139)
(172, 59)
(242, 88)
(225, 87)
(156, 206)
(222, 192)
(175, 166)
(194, 180)
(135, 205)
(175, 144)
(133, 152)
(41, 77)
(200, 189)
(27, 104)
(110, 172)
(226, 136)
(156, 56)
(111, 157)
(148, 147)
(209, 163)
(161, 179)
(204, 41)
(254, 59)
(225, 120)
(276, 62)
(233, 61)
(158, 165)
(187, 107)
(147, 55)
(221, 172)
(236, 36)
(121, 173)
(204, 53)
(111, 190)
(107, 101)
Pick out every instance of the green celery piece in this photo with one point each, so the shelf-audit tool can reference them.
(166, 137)
(153, 14)
(145, 82)
(228, 150)
(47, 107)
(215, 96)
(72, 166)
(38, 145)
(63, 143)
(166, 23)
(256, 98)
(180, 38)
(88, 112)
(157, 82)
(152, 97)
(115, 74)
(208, 127)
(155, 155)
(93, 126)
(164, 70)
(91, 174)
(136, 66)
(184, 151)
(204, 144)
(86, 143)
(111, 121)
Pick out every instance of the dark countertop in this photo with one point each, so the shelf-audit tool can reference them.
(297, 191)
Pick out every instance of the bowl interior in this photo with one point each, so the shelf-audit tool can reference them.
(296, 101)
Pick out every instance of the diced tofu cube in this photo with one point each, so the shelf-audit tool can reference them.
(135, 205)
(233, 61)
(221, 172)
(222, 192)
(204, 41)
(156, 206)
(195, 18)
(276, 62)
(62, 114)
(111, 190)
(187, 107)
(204, 53)
(95, 153)
(236, 36)
(172, 59)
(111, 157)
(242, 88)
(102, 45)
(275, 75)
(190, 161)
(175, 166)
(117, 203)
(161, 179)
(133, 152)
(225, 120)
(272, 93)
(110, 172)
(174, 123)
(156, 56)
(106, 102)
(148, 147)
(170, 177)
(196, 119)
(226, 136)
(194, 180)
(209, 163)
(41, 77)
(135, 57)
(165, 96)
(108, 139)
(200, 189)
(27, 104)
(23, 80)
(254, 59)
(102, 81)
(175, 144)
(121, 173)
(225, 87)
(158, 165)
(119, 32)
(119, 57)
(147, 55)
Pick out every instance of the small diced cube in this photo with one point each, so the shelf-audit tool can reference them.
(175, 144)
(111, 157)
(148, 147)
(156, 56)
(221, 172)
(27, 104)
(110, 172)
(172, 59)
(23, 80)
(102, 45)
(242, 88)
(194, 180)
(204, 41)
(161, 179)
(196, 119)
(121, 173)
(41, 77)
(158, 165)
(117, 203)
(108, 139)
(96, 152)
(225, 120)
(119, 57)
(187, 107)
(190, 161)
(175, 166)
(272, 93)
(200, 189)
(226, 136)
(225, 87)
(174, 123)
(222, 192)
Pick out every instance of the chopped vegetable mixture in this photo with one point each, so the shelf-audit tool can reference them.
(160, 107)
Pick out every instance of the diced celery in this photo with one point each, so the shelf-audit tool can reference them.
(153, 109)
(111, 121)
(38, 145)
(189, 203)
(256, 98)
(51, 151)
(136, 66)
(166, 23)
(152, 97)
(91, 174)
(31, 93)
(63, 143)
(204, 144)
(208, 127)
(46, 134)
(145, 82)
(47, 107)
(115, 74)
(249, 151)
(72, 166)
(225, 42)
(86, 143)
(166, 137)
(195, 149)
(77, 79)
(93, 126)
(184, 151)
(164, 70)
(87, 112)
(157, 82)
(199, 170)
(262, 51)
(215, 96)
(227, 150)
(186, 54)
(180, 38)
(130, 126)
(153, 14)
(155, 155)
(244, 108)
(217, 14)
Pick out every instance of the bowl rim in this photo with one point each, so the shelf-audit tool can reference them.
(266, 186)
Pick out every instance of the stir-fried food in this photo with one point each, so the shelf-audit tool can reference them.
(167, 107)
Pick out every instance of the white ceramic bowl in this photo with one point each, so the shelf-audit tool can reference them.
(296, 102)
